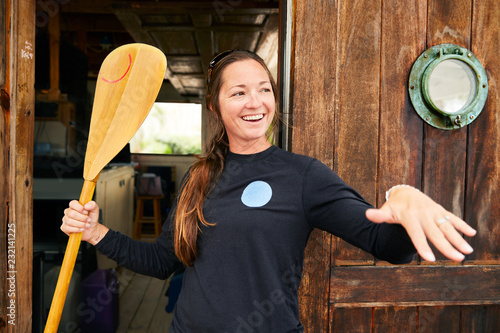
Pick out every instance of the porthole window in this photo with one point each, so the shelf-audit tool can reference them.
(448, 86)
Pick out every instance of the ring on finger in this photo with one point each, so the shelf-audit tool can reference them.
(443, 220)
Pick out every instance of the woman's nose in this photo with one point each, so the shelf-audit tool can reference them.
(254, 100)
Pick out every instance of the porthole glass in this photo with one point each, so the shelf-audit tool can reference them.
(452, 86)
(448, 86)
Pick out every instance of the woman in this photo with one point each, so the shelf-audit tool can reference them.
(245, 212)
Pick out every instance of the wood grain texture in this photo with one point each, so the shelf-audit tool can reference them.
(2, 44)
(314, 79)
(483, 153)
(401, 129)
(135, 290)
(438, 319)
(394, 319)
(313, 105)
(4, 162)
(476, 319)
(414, 285)
(21, 82)
(445, 151)
(350, 320)
(356, 156)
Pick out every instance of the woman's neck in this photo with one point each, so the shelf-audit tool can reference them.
(249, 147)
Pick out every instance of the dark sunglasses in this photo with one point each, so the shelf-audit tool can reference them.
(215, 61)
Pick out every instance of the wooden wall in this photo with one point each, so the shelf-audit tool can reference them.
(351, 109)
(17, 81)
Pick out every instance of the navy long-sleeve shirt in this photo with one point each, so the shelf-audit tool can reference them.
(248, 269)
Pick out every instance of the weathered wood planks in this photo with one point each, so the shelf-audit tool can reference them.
(313, 104)
(16, 140)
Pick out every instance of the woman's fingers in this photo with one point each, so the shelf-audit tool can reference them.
(443, 244)
(69, 225)
(443, 234)
(462, 226)
(76, 205)
(87, 213)
(92, 210)
(419, 240)
(450, 229)
(74, 219)
(78, 217)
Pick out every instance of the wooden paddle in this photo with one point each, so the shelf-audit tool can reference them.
(128, 83)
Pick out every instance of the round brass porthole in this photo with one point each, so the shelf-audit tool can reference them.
(448, 86)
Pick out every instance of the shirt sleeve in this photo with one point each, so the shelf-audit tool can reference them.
(331, 205)
(154, 259)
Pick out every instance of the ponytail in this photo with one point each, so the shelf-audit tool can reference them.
(199, 182)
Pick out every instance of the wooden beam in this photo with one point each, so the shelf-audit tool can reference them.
(54, 48)
(188, 7)
(91, 23)
(370, 286)
(2, 43)
(81, 41)
(17, 138)
(132, 23)
(223, 28)
(204, 38)
(88, 6)
(4, 162)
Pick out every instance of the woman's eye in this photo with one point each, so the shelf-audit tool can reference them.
(239, 93)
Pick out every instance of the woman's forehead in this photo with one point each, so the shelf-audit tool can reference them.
(247, 69)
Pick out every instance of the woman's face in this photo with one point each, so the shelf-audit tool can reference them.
(247, 106)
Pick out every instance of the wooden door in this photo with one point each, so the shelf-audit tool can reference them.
(17, 67)
(351, 109)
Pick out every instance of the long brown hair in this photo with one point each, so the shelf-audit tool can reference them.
(206, 171)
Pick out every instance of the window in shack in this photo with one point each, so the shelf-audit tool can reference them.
(170, 128)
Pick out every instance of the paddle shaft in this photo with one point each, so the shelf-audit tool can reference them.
(57, 306)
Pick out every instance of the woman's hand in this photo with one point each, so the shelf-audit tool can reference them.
(79, 218)
(424, 219)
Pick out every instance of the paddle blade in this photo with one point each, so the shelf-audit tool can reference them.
(129, 81)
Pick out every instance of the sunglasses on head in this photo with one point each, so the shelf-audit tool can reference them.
(215, 61)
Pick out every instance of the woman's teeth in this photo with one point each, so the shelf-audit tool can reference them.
(254, 117)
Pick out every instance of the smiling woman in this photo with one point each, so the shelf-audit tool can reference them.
(245, 209)
(170, 128)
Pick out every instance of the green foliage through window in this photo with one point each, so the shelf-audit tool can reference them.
(170, 128)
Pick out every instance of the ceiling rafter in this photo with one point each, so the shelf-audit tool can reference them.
(189, 32)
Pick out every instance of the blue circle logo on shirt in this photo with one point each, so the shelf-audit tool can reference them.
(257, 194)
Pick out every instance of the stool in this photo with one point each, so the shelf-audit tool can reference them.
(140, 219)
